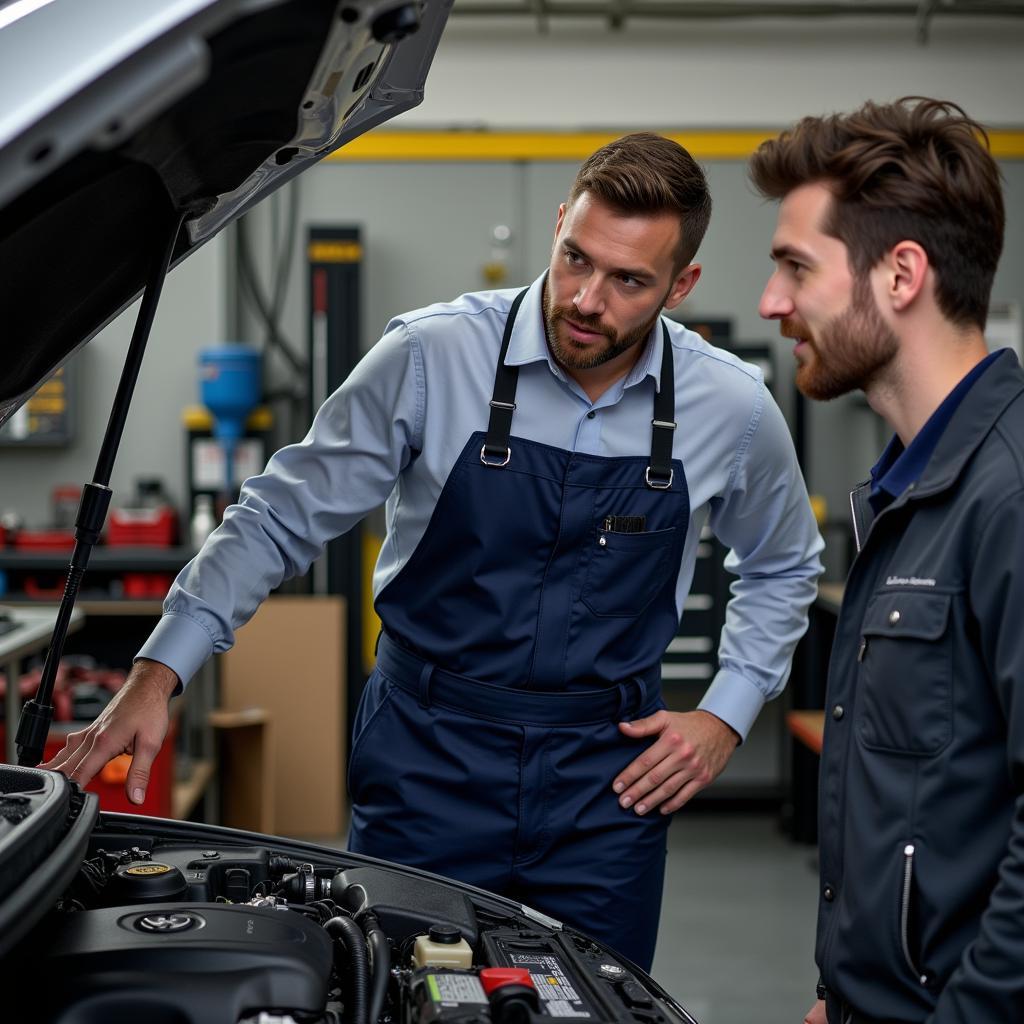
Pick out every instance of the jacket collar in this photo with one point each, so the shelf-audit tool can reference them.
(977, 414)
(975, 417)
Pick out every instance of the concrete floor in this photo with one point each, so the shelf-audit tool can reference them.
(736, 942)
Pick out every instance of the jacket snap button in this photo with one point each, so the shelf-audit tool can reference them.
(894, 617)
(838, 712)
(602, 542)
(829, 893)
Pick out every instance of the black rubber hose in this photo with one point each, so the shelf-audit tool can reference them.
(380, 955)
(345, 931)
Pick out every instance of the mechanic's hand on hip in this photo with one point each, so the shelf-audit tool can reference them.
(134, 722)
(816, 1014)
(689, 753)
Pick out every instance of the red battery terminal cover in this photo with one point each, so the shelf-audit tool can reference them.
(493, 978)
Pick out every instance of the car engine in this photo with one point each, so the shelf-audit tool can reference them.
(181, 923)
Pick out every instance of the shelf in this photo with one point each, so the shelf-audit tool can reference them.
(92, 606)
(185, 795)
(107, 559)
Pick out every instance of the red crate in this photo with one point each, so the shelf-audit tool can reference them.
(147, 586)
(44, 540)
(142, 527)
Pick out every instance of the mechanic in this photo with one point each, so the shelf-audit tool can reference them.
(541, 539)
(889, 232)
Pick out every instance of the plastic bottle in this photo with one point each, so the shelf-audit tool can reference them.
(203, 520)
(443, 947)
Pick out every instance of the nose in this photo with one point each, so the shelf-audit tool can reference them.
(775, 302)
(589, 298)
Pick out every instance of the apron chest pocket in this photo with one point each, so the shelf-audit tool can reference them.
(905, 687)
(626, 571)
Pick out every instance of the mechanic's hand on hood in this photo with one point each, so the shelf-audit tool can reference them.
(690, 752)
(134, 722)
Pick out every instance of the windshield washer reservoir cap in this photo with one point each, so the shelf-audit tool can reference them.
(445, 934)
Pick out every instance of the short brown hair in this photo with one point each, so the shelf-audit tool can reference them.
(649, 174)
(918, 169)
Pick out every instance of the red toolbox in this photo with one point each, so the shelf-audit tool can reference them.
(142, 527)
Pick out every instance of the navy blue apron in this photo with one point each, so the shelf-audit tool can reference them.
(529, 621)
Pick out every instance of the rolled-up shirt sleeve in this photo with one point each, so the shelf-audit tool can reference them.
(765, 519)
(310, 492)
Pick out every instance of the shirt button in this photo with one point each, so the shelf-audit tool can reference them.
(829, 893)
(591, 414)
(838, 712)
(894, 617)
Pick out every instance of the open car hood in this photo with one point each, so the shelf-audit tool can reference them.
(118, 117)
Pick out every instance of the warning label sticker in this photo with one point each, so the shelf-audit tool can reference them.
(453, 989)
(557, 995)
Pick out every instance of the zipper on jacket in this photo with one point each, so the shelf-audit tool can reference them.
(908, 881)
(856, 525)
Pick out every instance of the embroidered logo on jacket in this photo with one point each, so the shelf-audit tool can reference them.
(909, 581)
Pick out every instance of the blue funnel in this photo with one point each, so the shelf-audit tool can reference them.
(230, 384)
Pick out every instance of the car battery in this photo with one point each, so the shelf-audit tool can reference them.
(562, 985)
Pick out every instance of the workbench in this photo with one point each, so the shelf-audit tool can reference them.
(31, 635)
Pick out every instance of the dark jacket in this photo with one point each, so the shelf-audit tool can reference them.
(921, 914)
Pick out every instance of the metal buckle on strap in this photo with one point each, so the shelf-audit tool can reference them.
(502, 405)
(659, 485)
(495, 465)
(670, 424)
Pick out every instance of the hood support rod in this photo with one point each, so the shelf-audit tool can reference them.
(36, 715)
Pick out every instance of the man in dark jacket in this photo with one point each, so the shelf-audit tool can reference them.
(889, 232)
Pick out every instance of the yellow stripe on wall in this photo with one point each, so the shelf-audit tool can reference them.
(442, 146)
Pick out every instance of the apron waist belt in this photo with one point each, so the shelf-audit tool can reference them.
(431, 685)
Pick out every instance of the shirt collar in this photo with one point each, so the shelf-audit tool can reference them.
(529, 344)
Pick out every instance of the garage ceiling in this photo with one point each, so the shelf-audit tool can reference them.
(616, 13)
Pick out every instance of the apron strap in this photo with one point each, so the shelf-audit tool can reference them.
(659, 473)
(496, 451)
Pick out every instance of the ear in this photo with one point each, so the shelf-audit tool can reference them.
(561, 217)
(906, 271)
(683, 285)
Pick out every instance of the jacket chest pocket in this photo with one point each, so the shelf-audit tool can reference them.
(905, 683)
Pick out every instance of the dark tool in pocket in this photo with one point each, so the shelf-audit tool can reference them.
(624, 524)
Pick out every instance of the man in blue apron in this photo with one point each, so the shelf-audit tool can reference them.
(548, 458)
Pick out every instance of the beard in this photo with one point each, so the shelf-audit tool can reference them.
(853, 350)
(572, 355)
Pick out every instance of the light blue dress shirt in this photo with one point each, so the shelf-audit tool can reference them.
(392, 432)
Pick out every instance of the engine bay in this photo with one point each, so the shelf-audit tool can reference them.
(182, 923)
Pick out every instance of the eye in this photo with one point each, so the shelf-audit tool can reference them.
(574, 259)
(629, 281)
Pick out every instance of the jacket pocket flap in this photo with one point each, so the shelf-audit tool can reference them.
(905, 614)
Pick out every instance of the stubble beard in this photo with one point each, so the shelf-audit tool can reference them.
(574, 356)
(858, 347)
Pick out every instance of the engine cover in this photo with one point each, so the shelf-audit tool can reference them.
(184, 963)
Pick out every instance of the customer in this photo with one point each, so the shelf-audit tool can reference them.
(889, 232)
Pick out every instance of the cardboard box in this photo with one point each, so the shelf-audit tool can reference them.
(289, 660)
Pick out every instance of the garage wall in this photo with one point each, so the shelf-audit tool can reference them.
(428, 227)
(738, 74)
